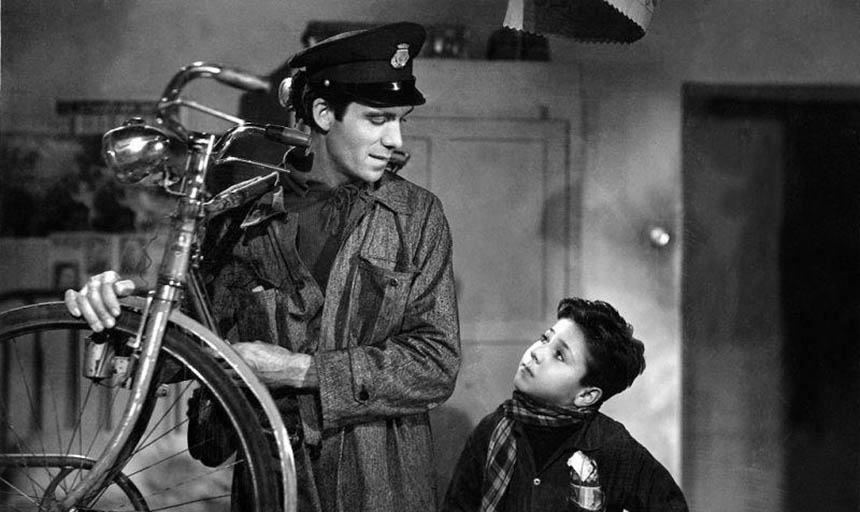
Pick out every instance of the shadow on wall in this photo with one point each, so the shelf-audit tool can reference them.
(451, 428)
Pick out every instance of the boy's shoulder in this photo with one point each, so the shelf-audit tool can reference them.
(609, 430)
(601, 431)
(484, 428)
(611, 436)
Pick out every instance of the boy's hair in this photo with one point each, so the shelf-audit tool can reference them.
(615, 358)
(302, 96)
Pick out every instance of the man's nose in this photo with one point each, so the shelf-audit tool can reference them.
(391, 137)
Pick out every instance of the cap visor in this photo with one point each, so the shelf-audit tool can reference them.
(385, 98)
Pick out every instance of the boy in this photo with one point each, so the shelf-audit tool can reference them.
(549, 448)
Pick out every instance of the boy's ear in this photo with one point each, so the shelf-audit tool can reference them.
(588, 397)
(323, 114)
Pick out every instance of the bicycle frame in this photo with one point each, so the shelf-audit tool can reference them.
(202, 151)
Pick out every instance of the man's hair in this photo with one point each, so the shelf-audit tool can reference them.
(303, 93)
(615, 358)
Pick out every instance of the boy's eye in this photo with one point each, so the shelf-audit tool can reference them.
(543, 338)
(559, 355)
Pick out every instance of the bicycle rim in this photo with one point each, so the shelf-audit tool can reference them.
(61, 420)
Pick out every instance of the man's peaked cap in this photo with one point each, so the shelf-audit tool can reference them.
(374, 66)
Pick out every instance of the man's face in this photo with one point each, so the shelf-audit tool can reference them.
(361, 143)
(553, 367)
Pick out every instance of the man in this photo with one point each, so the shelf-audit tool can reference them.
(338, 287)
(549, 447)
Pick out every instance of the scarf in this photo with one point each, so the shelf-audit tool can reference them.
(339, 204)
(502, 451)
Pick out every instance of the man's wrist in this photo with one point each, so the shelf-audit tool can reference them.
(308, 379)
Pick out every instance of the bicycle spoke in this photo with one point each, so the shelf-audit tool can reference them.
(19, 492)
(33, 482)
(76, 431)
(189, 502)
(28, 392)
(33, 416)
(53, 395)
(157, 462)
(212, 471)
(27, 389)
(23, 449)
(145, 440)
(162, 435)
(166, 477)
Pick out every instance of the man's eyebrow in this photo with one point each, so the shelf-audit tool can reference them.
(386, 114)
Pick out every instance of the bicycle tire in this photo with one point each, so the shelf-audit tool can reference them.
(24, 334)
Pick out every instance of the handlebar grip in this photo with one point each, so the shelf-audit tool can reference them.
(242, 80)
(288, 136)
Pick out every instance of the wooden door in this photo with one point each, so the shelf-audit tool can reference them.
(733, 392)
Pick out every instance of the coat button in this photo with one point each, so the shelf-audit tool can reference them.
(392, 282)
(536, 481)
(363, 395)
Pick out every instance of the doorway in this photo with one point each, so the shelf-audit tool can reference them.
(771, 298)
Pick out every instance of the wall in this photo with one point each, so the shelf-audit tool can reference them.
(632, 157)
(632, 110)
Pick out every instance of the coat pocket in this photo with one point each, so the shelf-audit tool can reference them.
(380, 300)
(257, 320)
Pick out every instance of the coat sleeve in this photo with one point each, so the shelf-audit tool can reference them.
(657, 490)
(414, 369)
(650, 486)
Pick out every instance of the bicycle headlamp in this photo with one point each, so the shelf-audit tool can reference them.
(137, 150)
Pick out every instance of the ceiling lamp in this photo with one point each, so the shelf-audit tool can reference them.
(595, 21)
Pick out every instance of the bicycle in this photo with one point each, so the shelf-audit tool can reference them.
(150, 364)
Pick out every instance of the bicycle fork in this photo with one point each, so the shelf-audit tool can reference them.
(172, 278)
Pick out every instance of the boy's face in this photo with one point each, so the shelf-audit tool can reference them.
(553, 367)
(361, 143)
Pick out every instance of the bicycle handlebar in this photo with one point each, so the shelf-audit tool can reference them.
(168, 105)
(233, 77)
(242, 80)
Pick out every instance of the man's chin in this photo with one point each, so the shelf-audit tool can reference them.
(372, 174)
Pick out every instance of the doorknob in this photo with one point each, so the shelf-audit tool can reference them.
(659, 236)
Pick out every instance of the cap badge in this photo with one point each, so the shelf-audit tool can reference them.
(401, 56)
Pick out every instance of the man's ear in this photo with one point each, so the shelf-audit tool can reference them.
(588, 397)
(323, 114)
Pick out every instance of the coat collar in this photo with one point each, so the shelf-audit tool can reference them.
(390, 191)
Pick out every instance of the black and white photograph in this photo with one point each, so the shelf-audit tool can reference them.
(442, 256)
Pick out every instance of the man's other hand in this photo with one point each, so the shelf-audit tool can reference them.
(278, 367)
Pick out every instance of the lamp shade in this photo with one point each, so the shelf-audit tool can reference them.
(598, 21)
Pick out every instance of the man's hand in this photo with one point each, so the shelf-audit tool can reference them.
(277, 367)
(98, 300)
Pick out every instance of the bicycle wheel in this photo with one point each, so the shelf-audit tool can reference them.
(54, 423)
